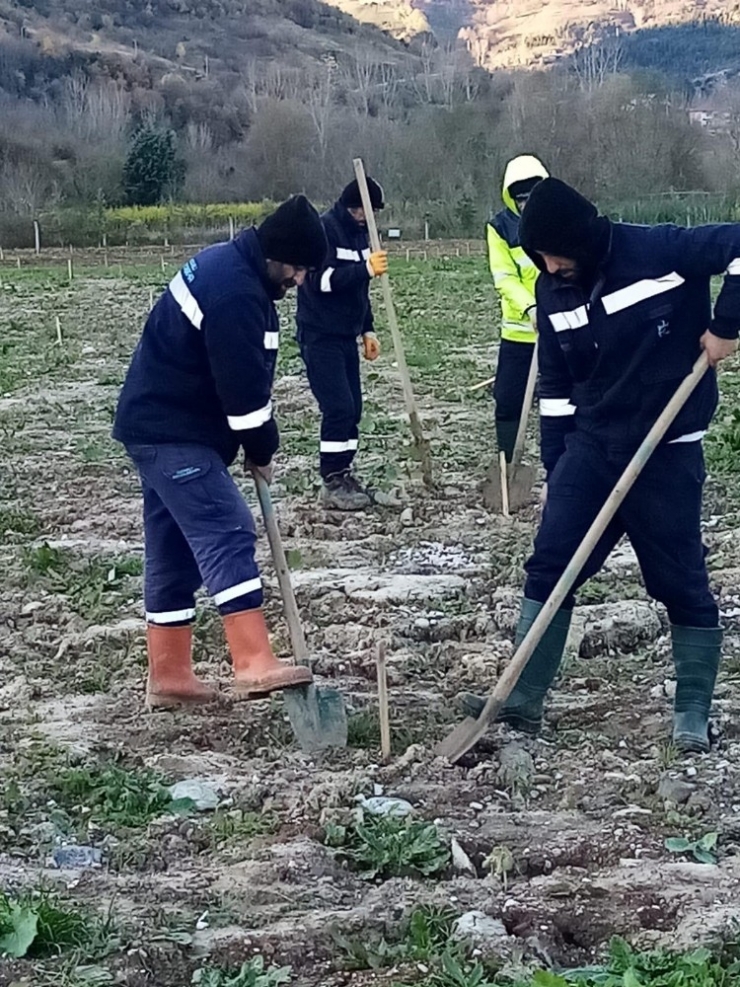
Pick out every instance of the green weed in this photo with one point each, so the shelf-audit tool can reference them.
(111, 795)
(385, 846)
(253, 973)
(93, 586)
(423, 939)
(701, 849)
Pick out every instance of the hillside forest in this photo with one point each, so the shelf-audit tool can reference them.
(273, 108)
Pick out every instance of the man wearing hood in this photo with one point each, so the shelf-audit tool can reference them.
(623, 312)
(333, 311)
(514, 276)
(199, 389)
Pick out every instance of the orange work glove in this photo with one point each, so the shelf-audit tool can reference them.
(370, 346)
(377, 263)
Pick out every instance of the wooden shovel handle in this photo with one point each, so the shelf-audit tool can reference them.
(521, 434)
(563, 586)
(399, 352)
(297, 637)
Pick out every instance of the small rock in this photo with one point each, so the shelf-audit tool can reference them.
(423, 623)
(407, 516)
(381, 805)
(674, 790)
(461, 862)
(76, 857)
(204, 796)
(516, 768)
(476, 806)
(691, 771)
(481, 930)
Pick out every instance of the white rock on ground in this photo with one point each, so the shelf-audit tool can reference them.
(204, 796)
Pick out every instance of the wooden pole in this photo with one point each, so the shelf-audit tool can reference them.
(36, 236)
(383, 710)
(59, 329)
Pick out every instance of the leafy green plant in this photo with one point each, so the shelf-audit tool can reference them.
(423, 938)
(701, 849)
(655, 968)
(386, 846)
(251, 974)
(109, 794)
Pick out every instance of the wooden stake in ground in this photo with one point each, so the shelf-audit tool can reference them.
(59, 329)
(504, 484)
(385, 720)
(420, 440)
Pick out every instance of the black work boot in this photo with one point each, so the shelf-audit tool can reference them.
(696, 654)
(342, 492)
(523, 709)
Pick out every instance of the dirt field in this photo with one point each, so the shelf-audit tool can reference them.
(561, 840)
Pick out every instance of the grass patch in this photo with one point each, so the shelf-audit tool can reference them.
(385, 846)
(93, 586)
(237, 826)
(38, 923)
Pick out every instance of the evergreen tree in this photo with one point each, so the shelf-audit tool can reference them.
(153, 170)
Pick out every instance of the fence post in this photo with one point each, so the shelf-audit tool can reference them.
(36, 236)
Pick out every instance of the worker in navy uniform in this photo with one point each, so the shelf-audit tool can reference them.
(198, 390)
(333, 313)
(623, 312)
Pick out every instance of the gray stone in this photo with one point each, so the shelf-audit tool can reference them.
(674, 790)
(382, 805)
(201, 793)
(482, 931)
(76, 857)
(623, 626)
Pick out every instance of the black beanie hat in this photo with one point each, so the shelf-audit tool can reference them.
(351, 198)
(559, 220)
(294, 234)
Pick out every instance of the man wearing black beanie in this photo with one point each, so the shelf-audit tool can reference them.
(333, 311)
(199, 388)
(623, 312)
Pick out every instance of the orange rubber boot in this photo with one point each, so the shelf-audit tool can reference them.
(257, 671)
(171, 680)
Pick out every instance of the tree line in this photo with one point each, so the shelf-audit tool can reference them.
(437, 131)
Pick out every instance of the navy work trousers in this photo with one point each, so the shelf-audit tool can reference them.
(512, 370)
(661, 515)
(333, 369)
(197, 530)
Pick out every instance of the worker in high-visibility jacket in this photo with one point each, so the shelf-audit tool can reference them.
(514, 276)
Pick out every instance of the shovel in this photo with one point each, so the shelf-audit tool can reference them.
(505, 490)
(468, 733)
(421, 442)
(317, 717)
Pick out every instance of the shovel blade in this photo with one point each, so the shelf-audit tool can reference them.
(521, 482)
(467, 734)
(491, 489)
(318, 717)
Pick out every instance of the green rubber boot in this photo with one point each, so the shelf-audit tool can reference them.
(506, 437)
(696, 654)
(523, 709)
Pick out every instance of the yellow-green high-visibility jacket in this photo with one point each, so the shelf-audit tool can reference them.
(514, 273)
